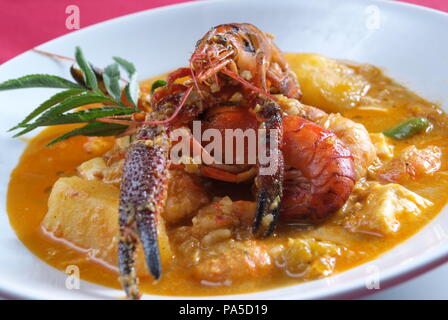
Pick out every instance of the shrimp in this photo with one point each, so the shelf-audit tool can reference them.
(241, 58)
(411, 164)
(245, 53)
(354, 135)
(320, 173)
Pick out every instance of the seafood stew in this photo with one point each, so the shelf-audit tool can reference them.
(360, 167)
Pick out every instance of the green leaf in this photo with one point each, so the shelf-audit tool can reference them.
(57, 98)
(128, 66)
(77, 101)
(157, 84)
(111, 76)
(39, 81)
(89, 75)
(94, 87)
(66, 105)
(96, 129)
(87, 115)
(132, 89)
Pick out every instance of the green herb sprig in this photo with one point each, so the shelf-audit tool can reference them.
(91, 86)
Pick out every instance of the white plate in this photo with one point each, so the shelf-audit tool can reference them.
(407, 41)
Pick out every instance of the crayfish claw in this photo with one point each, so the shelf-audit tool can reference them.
(269, 182)
(268, 204)
(148, 237)
(128, 278)
(142, 195)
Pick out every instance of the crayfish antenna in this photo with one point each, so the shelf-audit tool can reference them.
(247, 84)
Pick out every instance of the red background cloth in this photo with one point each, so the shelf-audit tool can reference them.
(25, 24)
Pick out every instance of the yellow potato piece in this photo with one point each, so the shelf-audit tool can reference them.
(85, 213)
(379, 209)
(326, 83)
(384, 149)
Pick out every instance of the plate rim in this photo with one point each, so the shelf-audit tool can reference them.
(355, 288)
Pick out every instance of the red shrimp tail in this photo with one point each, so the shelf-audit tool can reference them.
(322, 175)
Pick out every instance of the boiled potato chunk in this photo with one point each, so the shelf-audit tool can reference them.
(328, 84)
(93, 169)
(384, 149)
(380, 209)
(85, 213)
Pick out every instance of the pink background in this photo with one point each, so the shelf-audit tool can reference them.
(25, 24)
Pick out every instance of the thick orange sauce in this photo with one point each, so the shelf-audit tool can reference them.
(40, 166)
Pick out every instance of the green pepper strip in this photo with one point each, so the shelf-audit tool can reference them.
(409, 128)
(157, 84)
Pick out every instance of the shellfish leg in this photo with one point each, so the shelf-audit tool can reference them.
(142, 196)
(269, 186)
